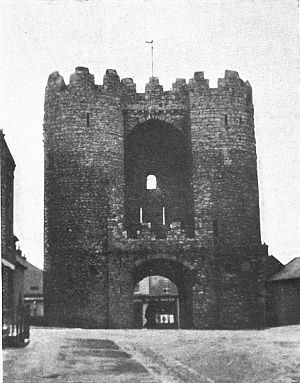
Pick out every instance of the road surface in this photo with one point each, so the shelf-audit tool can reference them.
(156, 356)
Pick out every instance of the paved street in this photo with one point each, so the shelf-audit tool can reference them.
(153, 356)
(57, 355)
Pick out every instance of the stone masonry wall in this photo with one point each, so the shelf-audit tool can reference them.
(225, 172)
(83, 193)
(7, 200)
(7, 241)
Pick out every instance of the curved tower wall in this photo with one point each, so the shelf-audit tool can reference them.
(84, 195)
(224, 161)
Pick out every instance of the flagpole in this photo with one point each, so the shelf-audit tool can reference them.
(151, 42)
(152, 57)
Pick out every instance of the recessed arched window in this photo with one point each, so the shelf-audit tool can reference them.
(151, 182)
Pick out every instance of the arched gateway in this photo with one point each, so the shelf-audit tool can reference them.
(181, 275)
(158, 183)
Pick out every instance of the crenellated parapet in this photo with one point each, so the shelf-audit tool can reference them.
(170, 106)
(228, 87)
(232, 93)
(83, 79)
(224, 110)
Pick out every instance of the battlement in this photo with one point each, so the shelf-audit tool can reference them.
(55, 82)
(180, 85)
(83, 79)
(231, 79)
(198, 81)
(111, 80)
(128, 84)
(153, 86)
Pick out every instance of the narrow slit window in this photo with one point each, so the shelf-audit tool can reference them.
(164, 215)
(141, 215)
(87, 119)
(226, 119)
(151, 182)
(241, 120)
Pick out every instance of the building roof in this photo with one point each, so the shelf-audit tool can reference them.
(271, 266)
(290, 271)
(21, 261)
(33, 281)
(5, 152)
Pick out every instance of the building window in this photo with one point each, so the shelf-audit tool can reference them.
(226, 119)
(137, 288)
(87, 119)
(34, 288)
(167, 290)
(151, 182)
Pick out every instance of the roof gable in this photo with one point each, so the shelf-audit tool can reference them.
(290, 271)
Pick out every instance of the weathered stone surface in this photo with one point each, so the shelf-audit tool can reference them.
(8, 254)
(101, 142)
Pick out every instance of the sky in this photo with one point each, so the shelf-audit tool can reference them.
(257, 38)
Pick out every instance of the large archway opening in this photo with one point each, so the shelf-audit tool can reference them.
(156, 303)
(158, 191)
(162, 295)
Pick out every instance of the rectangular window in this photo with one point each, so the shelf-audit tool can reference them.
(87, 119)
(151, 182)
(226, 119)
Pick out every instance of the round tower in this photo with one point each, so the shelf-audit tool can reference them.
(83, 136)
(225, 169)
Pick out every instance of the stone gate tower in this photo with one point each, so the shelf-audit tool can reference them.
(155, 183)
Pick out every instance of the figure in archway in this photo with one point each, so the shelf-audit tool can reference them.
(150, 316)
